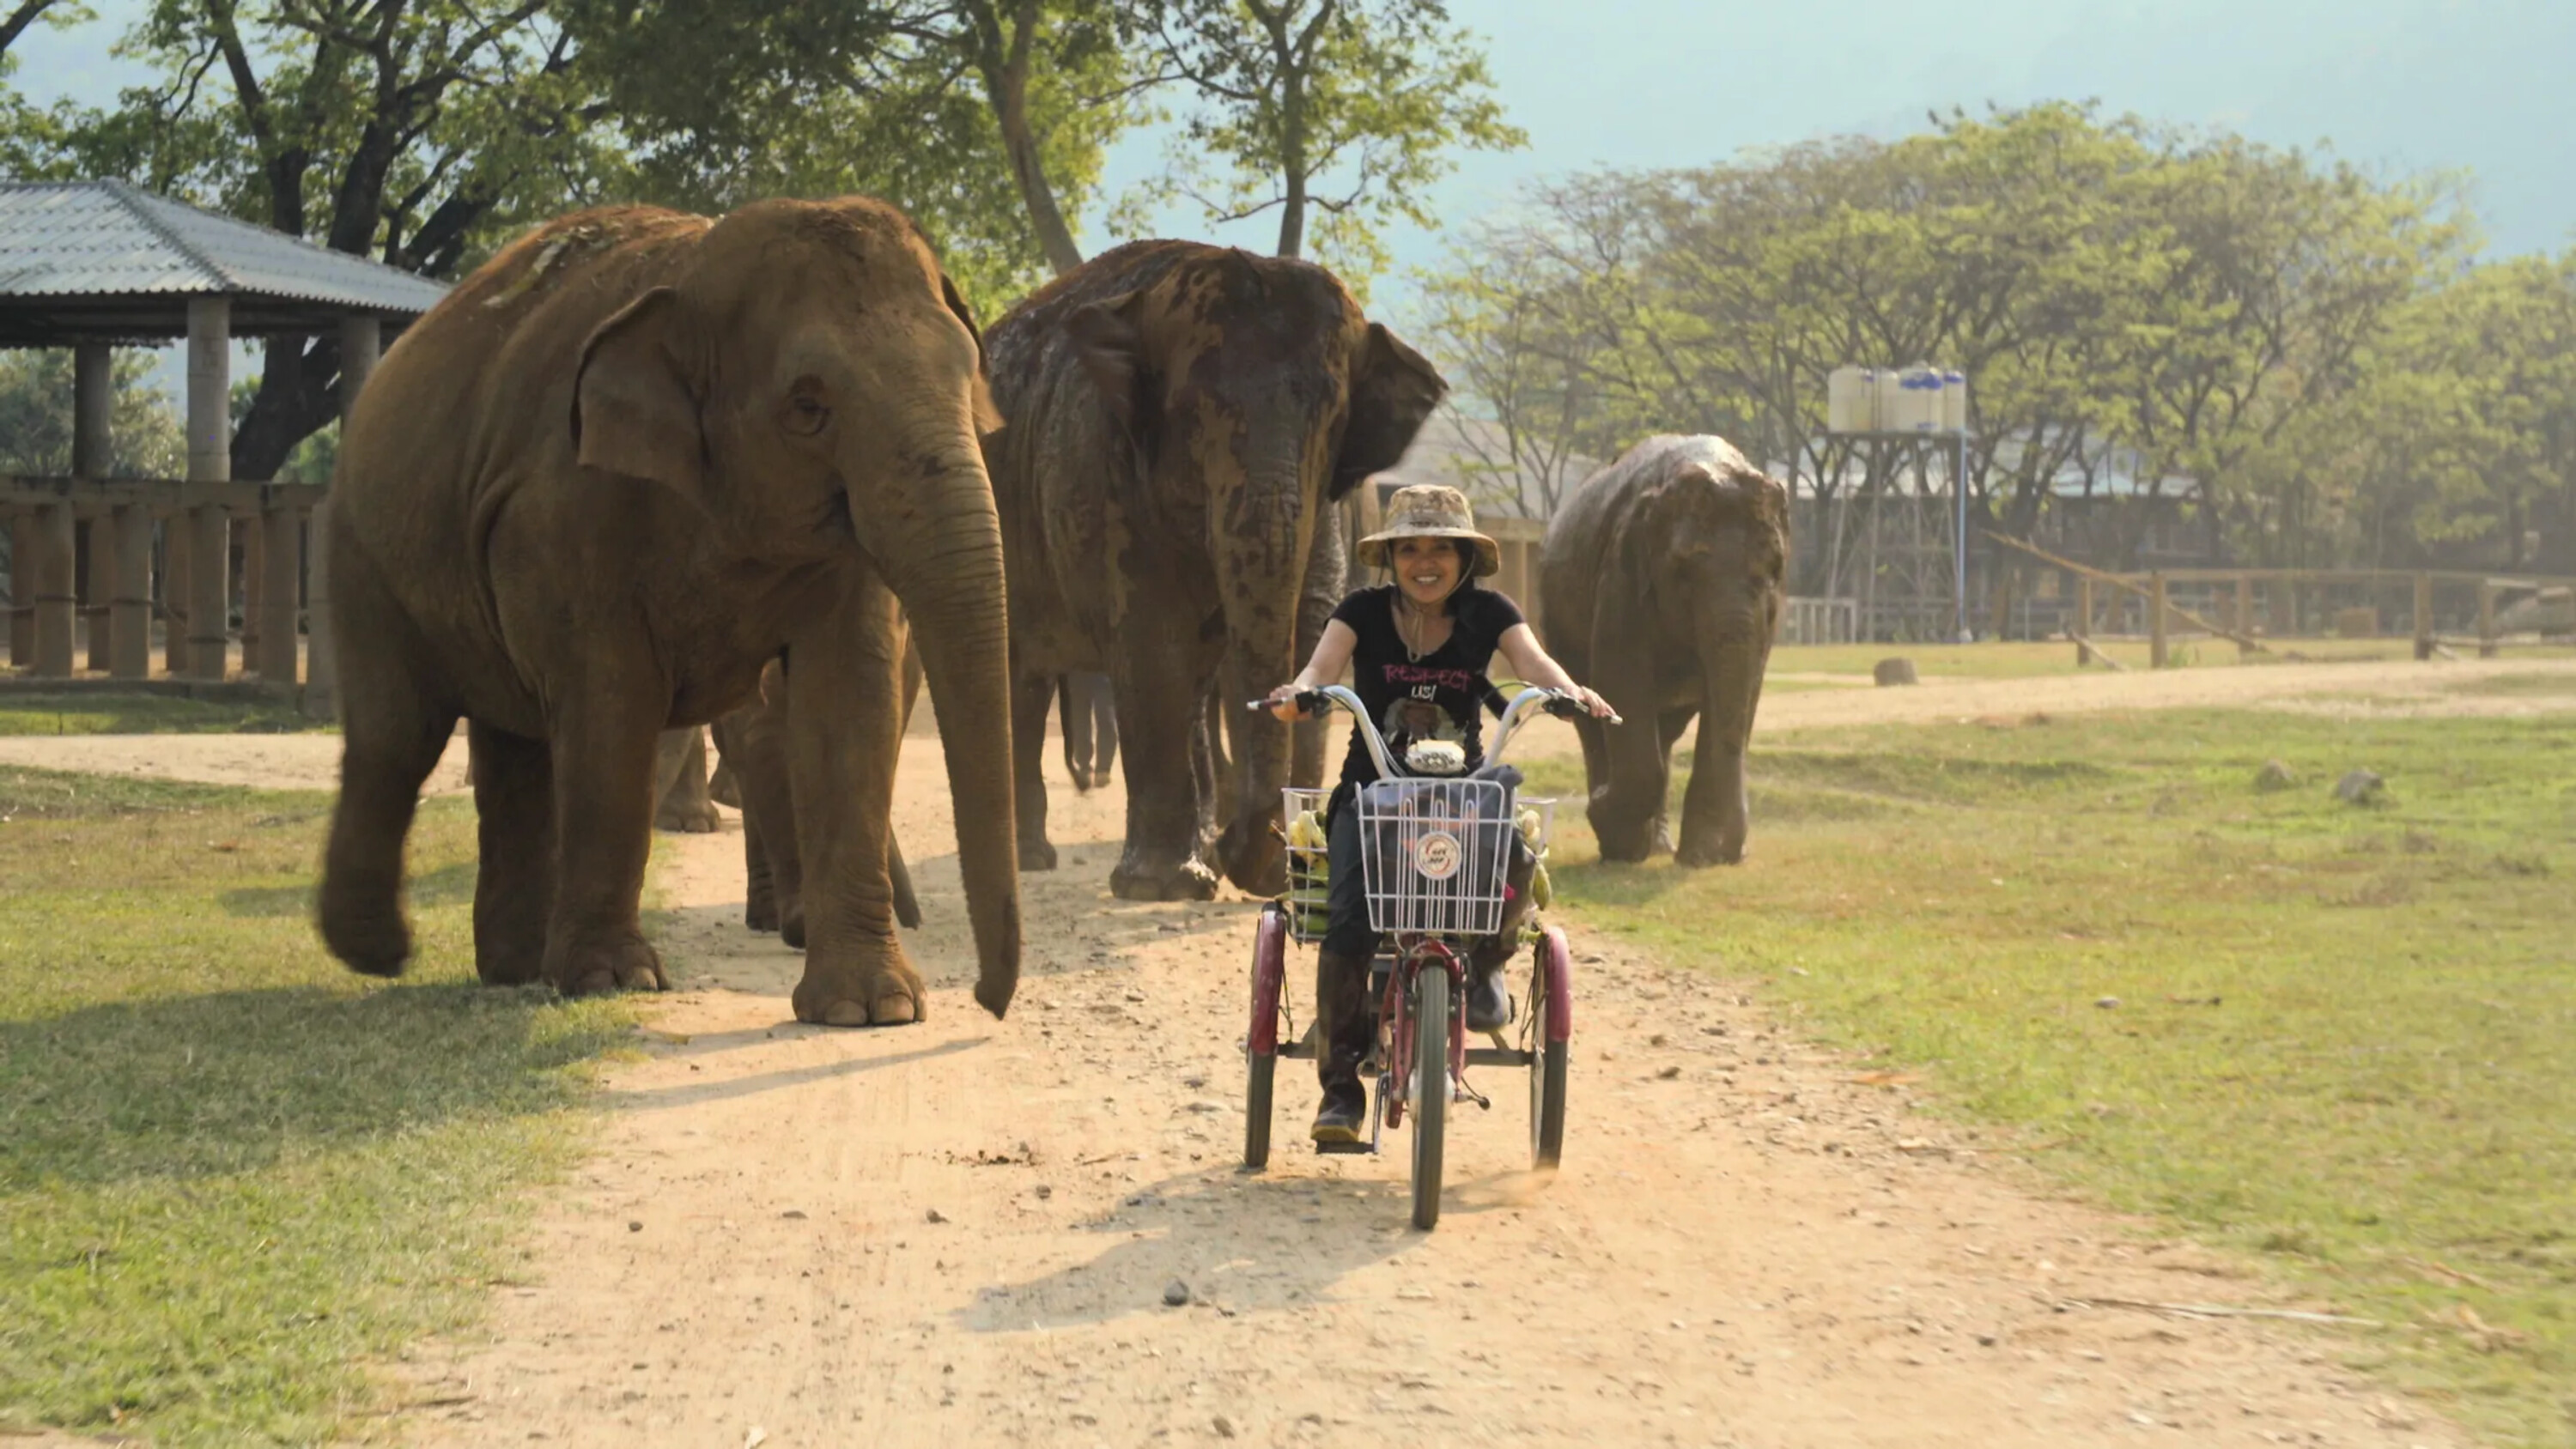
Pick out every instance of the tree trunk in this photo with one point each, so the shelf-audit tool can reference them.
(1006, 85)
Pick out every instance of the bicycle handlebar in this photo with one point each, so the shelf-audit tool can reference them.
(1557, 702)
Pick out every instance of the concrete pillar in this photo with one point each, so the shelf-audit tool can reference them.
(52, 571)
(22, 590)
(176, 579)
(2158, 622)
(100, 549)
(280, 558)
(129, 603)
(253, 540)
(210, 460)
(361, 341)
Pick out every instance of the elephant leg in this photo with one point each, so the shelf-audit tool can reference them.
(514, 886)
(1715, 812)
(1030, 696)
(1163, 671)
(603, 775)
(760, 894)
(1207, 774)
(686, 804)
(1076, 718)
(1628, 800)
(907, 907)
(769, 814)
(1670, 726)
(844, 733)
(720, 785)
(393, 728)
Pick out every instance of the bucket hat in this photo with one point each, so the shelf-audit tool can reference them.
(1431, 510)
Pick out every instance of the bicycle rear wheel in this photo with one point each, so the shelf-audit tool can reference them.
(1431, 1090)
(1551, 1023)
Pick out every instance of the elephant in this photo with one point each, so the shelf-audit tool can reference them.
(1090, 727)
(680, 784)
(753, 741)
(1182, 417)
(1661, 583)
(587, 497)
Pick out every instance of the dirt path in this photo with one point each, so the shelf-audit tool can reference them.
(964, 1232)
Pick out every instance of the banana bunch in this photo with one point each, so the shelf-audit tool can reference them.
(1542, 890)
(1306, 832)
(1529, 829)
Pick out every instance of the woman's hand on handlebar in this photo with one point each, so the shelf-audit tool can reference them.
(1583, 698)
(1283, 702)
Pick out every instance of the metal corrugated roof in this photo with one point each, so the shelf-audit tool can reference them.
(100, 239)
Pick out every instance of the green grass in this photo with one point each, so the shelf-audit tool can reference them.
(2342, 1037)
(146, 714)
(231, 1172)
(2015, 660)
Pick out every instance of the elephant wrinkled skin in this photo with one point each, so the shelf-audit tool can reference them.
(1181, 416)
(1661, 584)
(587, 496)
(753, 743)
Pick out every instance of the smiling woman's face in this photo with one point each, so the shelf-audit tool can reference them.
(1427, 569)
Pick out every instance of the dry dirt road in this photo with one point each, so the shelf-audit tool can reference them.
(967, 1232)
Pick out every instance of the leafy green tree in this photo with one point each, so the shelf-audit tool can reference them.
(1347, 108)
(145, 439)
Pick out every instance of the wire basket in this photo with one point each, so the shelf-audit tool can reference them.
(1435, 852)
(1310, 869)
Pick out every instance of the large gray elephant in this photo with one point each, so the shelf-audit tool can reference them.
(1661, 588)
(1182, 417)
(587, 497)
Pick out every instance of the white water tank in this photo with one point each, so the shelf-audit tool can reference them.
(1954, 402)
(1919, 407)
(1850, 393)
(1888, 396)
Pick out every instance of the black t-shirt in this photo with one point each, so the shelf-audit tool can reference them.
(1434, 697)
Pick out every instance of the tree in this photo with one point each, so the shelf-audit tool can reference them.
(145, 439)
(415, 132)
(1350, 108)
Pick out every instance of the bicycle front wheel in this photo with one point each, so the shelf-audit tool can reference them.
(1430, 1090)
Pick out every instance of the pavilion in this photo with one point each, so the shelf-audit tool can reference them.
(95, 265)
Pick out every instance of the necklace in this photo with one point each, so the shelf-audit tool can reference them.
(1407, 614)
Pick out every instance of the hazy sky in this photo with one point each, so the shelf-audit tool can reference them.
(2405, 84)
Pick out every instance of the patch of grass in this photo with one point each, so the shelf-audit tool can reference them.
(231, 1172)
(2022, 660)
(148, 714)
(2341, 1033)
(2545, 686)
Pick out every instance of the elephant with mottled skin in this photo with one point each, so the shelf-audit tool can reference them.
(587, 497)
(753, 742)
(1182, 418)
(1661, 585)
(1090, 717)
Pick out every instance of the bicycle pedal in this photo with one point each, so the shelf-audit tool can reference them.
(1346, 1149)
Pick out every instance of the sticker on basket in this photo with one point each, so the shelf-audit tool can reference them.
(1438, 855)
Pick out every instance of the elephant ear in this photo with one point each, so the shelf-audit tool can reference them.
(988, 415)
(1393, 389)
(634, 410)
(1109, 343)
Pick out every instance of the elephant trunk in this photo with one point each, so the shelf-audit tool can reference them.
(1733, 649)
(950, 582)
(1261, 573)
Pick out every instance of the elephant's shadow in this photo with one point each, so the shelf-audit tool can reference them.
(1239, 1244)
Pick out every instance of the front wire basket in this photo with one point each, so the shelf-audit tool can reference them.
(1310, 869)
(1434, 852)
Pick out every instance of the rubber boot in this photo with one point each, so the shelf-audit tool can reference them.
(1348, 1025)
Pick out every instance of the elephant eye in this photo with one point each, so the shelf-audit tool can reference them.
(805, 414)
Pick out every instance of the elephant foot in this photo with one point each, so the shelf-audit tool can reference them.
(1187, 881)
(372, 941)
(698, 822)
(516, 964)
(760, 916)
(595, 968)
(791, 927)
(1663, 839)
(1037, 855)
(1695, 856)
(878, 987)
(1081, 778)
